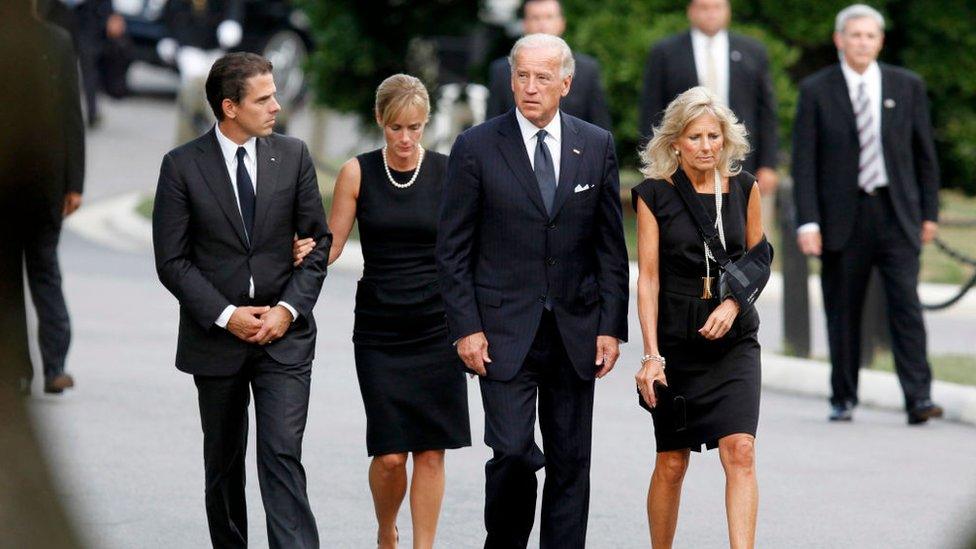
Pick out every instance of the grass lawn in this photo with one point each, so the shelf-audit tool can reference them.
(952, 368)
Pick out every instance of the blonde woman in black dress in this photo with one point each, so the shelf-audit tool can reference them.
(709, 345)
(411, 378)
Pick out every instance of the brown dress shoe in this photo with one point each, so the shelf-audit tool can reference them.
(923, 411)
(57, 384)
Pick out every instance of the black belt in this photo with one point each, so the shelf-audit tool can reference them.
(688, 286)
(877, 191)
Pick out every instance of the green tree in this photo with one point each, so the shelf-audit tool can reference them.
(358, 43)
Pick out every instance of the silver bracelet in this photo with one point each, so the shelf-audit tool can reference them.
(656, 358)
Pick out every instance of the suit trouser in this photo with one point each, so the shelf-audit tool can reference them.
(281, 408)
(877, 241)
(44, 280)
(565, 419)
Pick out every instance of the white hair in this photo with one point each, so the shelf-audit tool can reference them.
(567, 65)
(857, 11)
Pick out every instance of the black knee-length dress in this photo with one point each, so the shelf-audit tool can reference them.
(411, 378)
(720, 380)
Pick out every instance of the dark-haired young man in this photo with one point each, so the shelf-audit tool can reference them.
(227, 207)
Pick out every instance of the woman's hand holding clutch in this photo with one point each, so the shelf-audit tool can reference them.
(652, 369)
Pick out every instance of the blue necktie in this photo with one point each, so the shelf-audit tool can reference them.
(245, 193)
(545, 174)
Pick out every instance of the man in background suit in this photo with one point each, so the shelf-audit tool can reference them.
(49, 153)
(533, 266)
(733, 66)
(35, 59)
(866, 183)
(228, 205)
(586, 99)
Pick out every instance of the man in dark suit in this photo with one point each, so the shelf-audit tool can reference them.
(228, 205)
(36, 58)
(49, 154)
(585, 100)
(733, 66)
(866, 183)
(534, 274)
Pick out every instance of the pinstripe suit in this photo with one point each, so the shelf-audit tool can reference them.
(501, 257)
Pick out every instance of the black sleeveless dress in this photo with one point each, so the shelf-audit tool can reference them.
(411, 378)
(719, 379)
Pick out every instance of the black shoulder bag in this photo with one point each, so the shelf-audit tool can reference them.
(742, 280)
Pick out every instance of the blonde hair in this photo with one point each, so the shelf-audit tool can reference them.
(658, 160)
(398, 93)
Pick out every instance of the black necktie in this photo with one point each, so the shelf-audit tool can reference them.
(545, 174)
(245, 193)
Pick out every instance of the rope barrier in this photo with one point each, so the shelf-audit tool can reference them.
(961, 258)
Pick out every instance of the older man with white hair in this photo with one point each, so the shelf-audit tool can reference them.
(866, 182)
(533, 268)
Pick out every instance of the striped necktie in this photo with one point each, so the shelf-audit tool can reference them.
(869, 165)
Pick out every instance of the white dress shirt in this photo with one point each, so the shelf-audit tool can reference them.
(872, 86)
(229, 150)
(718, 45)
(554, 134)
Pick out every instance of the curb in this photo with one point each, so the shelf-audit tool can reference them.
(876, 389)
(115, 223)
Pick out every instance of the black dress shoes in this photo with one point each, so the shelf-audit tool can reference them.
(924, 410)
(843, 411)
(56, 385)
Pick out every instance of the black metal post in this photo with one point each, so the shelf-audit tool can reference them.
(796, 298)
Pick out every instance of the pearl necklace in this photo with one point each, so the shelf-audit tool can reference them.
(718, 223)
(386, 166)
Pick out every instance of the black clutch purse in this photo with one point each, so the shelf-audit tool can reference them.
(671, 408)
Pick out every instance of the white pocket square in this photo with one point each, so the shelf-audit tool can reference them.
(580, 188)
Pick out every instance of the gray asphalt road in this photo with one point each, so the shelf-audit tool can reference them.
(126, 444)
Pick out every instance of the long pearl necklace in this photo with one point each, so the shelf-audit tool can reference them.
(721, 234)
(386, 166)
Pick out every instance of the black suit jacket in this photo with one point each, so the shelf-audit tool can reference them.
(43, 136)
(204, 259)
(826, 152)
(585, 99)
(499, 254)
(670, 70)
